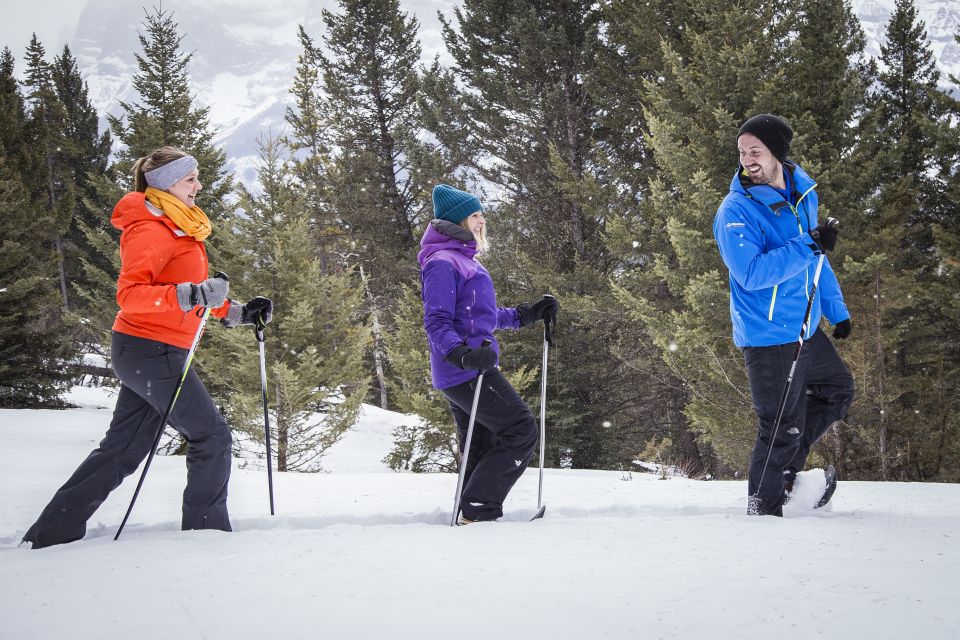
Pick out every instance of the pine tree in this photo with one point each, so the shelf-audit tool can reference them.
(35, 353)
(309, 140)
(676, 286)
(166, 115)
(904, 357)
(86, 160)
(527, 122)
(825, 80)
(12, 112)
(357, 95)
(370, 83)
(316, 342)
(48, 174)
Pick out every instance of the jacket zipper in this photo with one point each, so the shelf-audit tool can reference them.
(806, 272)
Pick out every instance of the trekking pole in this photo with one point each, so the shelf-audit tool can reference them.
(258, 331)
(793, 367)
(542, 508)
(466, 447)
(166, 414)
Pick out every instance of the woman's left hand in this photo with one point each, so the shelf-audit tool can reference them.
(258, 311)
(544, 309)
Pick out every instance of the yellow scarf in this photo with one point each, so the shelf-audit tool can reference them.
(192, 220)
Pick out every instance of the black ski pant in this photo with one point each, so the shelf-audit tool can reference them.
(149, 372)
(821, 393)
(504, 435)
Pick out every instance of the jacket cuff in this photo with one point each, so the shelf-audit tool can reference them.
(233, 316)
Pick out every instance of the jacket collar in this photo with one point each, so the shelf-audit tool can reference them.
(767, 195)
(445, 235)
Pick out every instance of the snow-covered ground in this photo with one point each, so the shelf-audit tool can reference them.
(362, 552)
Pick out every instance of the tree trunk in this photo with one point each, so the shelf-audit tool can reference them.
(378, 355)
(61, 259)
(881, 372)
(573, 158)
(283, 436)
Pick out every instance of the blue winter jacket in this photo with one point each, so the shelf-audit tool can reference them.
(459, 303)
(765, 243)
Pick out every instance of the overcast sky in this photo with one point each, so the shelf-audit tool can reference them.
(52, 20)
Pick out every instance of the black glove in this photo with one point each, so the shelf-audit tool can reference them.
(826, 235)
(258, 311)
(544, 309)
(210, 293)
(482, 358)
(842, 330)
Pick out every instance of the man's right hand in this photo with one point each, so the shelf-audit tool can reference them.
(481, 359)
(826, 235)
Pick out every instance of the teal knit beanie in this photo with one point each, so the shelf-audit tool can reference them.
(454, 205)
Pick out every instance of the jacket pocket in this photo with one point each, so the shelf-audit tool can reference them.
(773, 302)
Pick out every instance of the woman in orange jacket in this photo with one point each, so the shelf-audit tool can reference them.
(163, 285)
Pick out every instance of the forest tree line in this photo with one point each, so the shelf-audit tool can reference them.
(601, 138)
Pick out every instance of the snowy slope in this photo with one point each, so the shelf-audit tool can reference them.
(362, 552)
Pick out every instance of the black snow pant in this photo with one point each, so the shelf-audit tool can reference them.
(504, 435)
(149, 372)
(821, 393)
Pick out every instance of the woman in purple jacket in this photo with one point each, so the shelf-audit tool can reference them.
(459, 312)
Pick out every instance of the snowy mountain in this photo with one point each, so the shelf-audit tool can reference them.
(245, 52)
(244, 57)
(363, 552)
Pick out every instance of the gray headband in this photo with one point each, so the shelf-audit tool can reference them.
(171, 173)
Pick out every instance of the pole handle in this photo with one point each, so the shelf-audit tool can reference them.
(547, 328)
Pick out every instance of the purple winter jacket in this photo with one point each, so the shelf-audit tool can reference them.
(459, 303)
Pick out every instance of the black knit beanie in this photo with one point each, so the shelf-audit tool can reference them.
(772, 131)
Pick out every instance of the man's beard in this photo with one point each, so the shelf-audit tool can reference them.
(764, 176)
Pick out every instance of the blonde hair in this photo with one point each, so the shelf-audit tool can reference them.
(158, 158)
(483, 244)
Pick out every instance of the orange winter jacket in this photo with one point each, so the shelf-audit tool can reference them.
(155, 256)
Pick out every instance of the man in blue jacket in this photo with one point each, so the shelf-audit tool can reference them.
(770, 240)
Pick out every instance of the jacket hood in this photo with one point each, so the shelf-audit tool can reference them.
(133, 208)
(444, 235)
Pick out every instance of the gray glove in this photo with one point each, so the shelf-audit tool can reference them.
(211, 293)
(258, 311)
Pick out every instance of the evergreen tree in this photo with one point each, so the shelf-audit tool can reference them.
(357, 95)
(31, 353)
(35, 352)
(370, 82)
(86, 160)
(825, 81)
(12, 112)
(316, 342)
(166, 115)
(47, 173)
(675, 282)
(528, 123)
(309, 140)
(634, 55)
(905, 355)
